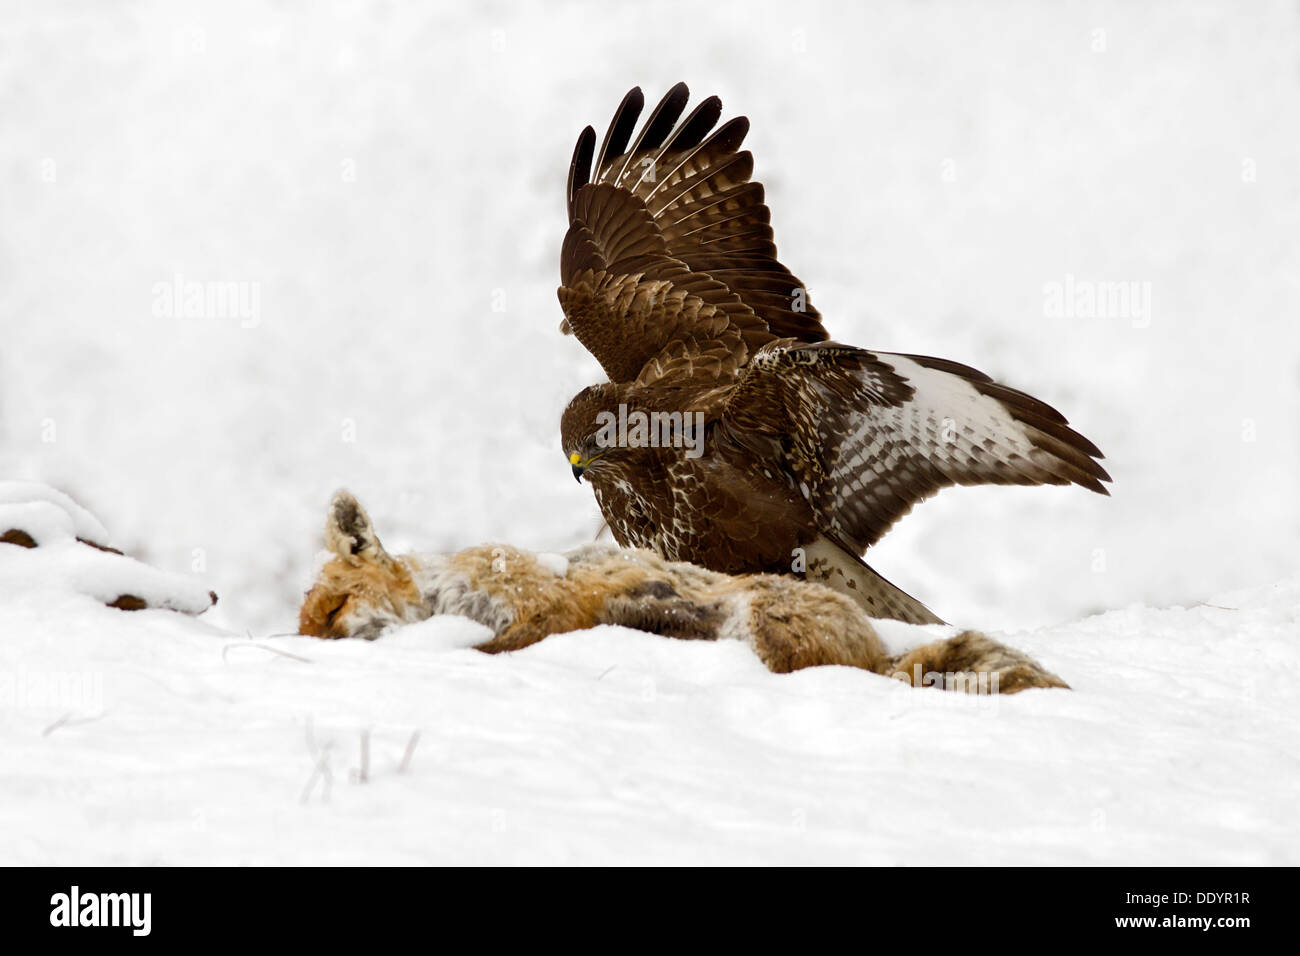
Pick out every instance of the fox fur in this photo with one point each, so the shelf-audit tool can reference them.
(524, 597)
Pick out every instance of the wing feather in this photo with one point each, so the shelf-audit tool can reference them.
(865, 436)
(620, 128)
(580, 166)
(655, 131)
(673, 203)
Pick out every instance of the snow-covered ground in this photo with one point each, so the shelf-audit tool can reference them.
(383, 183)
(154, 738)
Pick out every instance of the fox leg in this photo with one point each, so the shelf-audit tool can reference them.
(659, 607)
(527, 630)
(791, 625)
(619, 593)
(970, 662)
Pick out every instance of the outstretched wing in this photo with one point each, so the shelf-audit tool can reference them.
(668, 267)
(864, 436)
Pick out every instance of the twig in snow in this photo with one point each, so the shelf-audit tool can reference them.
(56, 725)
(410, 751)
(320, 756)
(67, 721)
(321, 771)
(363, 774)
(225, 651)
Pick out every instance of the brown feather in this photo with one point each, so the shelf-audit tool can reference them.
(704, 209)
(670, 279)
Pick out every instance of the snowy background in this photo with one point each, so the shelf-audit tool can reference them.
(389, 179)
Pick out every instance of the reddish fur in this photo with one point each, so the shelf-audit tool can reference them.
(790, 624)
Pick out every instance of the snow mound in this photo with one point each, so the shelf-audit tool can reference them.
(61, 568)
(47, 513)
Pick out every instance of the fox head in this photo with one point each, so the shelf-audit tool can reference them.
(362, 589)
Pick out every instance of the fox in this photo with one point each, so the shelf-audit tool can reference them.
(523, 597)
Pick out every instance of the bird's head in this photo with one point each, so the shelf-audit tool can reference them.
(585, 434)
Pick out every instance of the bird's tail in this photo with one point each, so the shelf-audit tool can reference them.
(842, 571)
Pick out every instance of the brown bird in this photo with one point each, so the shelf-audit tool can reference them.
(731, 434)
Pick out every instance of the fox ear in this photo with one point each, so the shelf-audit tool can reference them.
(349, 534)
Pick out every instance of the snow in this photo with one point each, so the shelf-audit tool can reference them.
(61, 565)
(383, 186)
(1176, 746)
(557, 564)
(899, 638)
(47, 514)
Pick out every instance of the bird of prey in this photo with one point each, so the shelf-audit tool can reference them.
(732, 433)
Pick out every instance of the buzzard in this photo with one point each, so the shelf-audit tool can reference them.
(732, 433)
